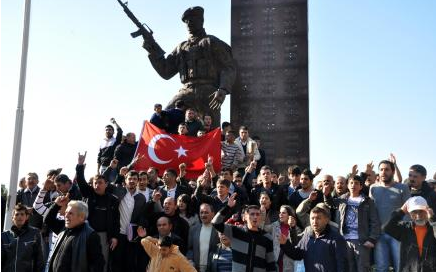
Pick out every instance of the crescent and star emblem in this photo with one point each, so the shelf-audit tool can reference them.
(152, 153)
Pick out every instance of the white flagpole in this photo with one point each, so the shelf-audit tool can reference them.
(18, 119)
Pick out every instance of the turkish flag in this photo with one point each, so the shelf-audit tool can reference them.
(163, 150)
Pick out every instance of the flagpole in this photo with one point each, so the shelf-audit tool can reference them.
(18, 119)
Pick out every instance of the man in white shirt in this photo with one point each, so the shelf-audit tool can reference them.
(198, 252)
(132, 214)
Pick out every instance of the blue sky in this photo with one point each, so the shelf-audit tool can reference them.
(371, 78)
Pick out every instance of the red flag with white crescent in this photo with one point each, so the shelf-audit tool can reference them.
(163, 150)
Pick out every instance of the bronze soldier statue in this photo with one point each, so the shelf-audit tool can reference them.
(204, 62)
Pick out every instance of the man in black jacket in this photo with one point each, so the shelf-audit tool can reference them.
(417, 237)
(171, 188)
(419, 187)
(125, 151)
(21, 245)
(134, 212)
(78, 246)
(28, 195)
(175, 116)
(322, 248)
(108, 145)
(104, 216)
(278, 194)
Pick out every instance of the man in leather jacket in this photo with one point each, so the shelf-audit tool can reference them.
(21, 245)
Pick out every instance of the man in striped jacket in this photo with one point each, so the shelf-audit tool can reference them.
(252, 248)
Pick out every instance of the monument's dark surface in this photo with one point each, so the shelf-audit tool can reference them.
(269, 42)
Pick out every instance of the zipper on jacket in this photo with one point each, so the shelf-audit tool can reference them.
(250, 260)
(16, 252)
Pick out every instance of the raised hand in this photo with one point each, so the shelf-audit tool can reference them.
(369, 167)
(156, 196)
(209, 159)
(182, 168)
(326, 190)
(392, 158)
(404, 208)
(218, 98)
(317, 171)
(232, 200)
(48, 184)
(354, 170)
(124, 170)
(136, 159)
(62, 200)
(313, 195)
(81, 158)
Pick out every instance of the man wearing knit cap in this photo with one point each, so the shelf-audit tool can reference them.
(417, 237)
(204, 63)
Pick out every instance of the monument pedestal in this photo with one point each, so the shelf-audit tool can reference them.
(269, 42)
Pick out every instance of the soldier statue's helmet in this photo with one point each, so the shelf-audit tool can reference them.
(192, 11)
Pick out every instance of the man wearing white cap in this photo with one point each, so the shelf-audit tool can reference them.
(417, 237)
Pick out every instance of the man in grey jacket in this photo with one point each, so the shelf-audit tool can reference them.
(203, 238)
(358, 223)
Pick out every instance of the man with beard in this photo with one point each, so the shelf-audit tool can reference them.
(417, 238)
(419, 187)
(133, 209)
(108, 145)
(171, 188)
(388, 196)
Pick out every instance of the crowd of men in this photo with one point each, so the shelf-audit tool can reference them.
(243, 217)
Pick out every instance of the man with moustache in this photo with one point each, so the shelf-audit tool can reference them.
(132, 215)
(388, 196)
(104, 216)
(78, 247)
(321, 247)
(203, 238)
(417, 237)
(419, 187)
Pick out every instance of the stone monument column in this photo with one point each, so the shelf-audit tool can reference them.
(271, 95)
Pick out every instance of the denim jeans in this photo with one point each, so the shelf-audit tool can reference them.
(299, 266)
(387, 252)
